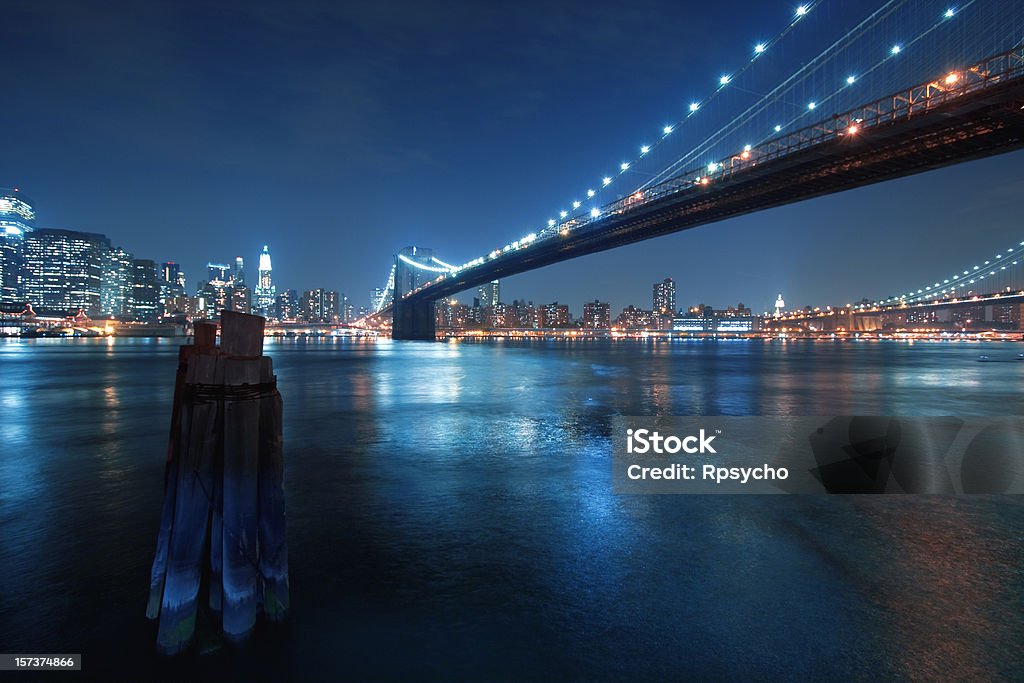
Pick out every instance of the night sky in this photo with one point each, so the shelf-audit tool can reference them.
(338, 133)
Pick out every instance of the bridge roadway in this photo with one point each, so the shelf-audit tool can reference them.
(924, 128)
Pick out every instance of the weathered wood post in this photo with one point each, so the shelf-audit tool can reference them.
(223, 518)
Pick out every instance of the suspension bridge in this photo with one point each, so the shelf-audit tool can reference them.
(948, 108)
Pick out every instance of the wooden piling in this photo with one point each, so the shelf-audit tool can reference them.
(223, 514)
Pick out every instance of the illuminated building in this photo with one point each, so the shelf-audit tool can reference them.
(452, 315)
(64, 271)
(376, 297)
(779, 306)
(553, 315)
(144, 302)
(218, 272)
(265, 290)
(172, 281)
(346, 311)
(116, 287)
(16, 218)
(596, 315)
(241, 299)
(286, 306)
(633, 318)
(664, 298)
(238, 274)
(319, 306)
(489, 294)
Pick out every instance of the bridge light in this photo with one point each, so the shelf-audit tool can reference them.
(812, 105)
(606, 180)
(852, 130)
(746, 148)
(801, 10)
(563, 214)
(712, 167)
(551, 222)
(724, 80)
(850, 80)
(952, 78)
(745, 155)
(896, 49)
(705, 181)
(778, 129)
(949, 13)
(575, 205)
(623, 166)
(666, 130)
(564, 231)
(594, 213)
(590, 193)
(645, 149)
(694, 106)
(759, 48)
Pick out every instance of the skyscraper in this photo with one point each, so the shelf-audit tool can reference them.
(16, 218)
(116, 287)
(665, 297)
(265, 290)
(64, 270)
(489, 294)
(144, 303)
(238, 274)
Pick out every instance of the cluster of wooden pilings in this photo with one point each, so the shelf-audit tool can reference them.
(222, 550)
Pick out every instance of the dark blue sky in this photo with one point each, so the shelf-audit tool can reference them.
(339, 132)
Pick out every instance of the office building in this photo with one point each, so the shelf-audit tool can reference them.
(16, 220)
(489, 294)
(144, 302)
(116, 286)
(64, 271)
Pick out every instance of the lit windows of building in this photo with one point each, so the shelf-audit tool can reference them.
(596, 315)
(116, 287)
(664, 297)
(265, 292)
(144, 303)
(16, 220)
(64, 271)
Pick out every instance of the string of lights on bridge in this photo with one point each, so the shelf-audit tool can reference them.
(555, 227)
(695, 106)
(976, 274)
(854, 78)
(568, 219)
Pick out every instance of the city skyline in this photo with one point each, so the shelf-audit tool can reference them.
(319, 187)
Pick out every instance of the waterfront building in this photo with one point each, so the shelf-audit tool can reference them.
(596, 315)
(633, 318)
(16, 220)
(553, 315)
(664, 298)
(64, 271)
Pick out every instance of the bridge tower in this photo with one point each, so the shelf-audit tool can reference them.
(412, 320)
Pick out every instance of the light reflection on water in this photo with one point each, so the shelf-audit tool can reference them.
(451, 516)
